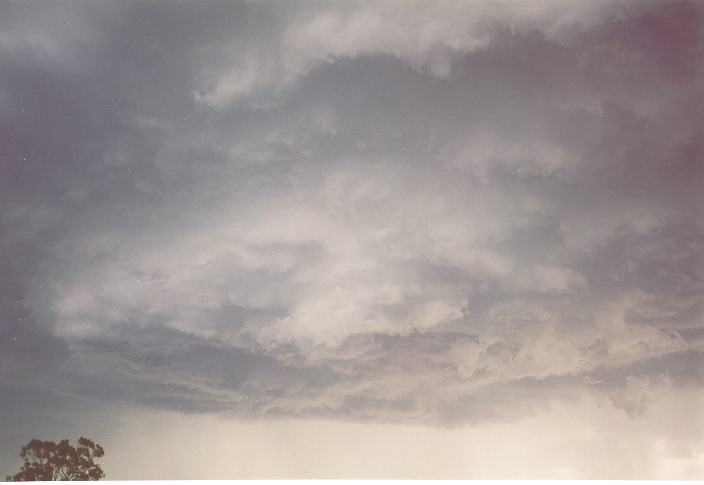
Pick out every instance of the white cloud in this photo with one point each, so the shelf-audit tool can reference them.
(427, 37)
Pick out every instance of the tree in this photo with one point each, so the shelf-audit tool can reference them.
(46, 460)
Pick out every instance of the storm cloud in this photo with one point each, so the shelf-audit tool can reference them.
(437, 213)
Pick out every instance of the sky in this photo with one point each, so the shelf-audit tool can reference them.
(389, 239)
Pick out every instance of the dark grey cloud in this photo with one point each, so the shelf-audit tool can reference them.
(363, 211)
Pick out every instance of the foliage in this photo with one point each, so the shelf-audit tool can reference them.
(46, 460)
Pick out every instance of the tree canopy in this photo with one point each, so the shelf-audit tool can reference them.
(47, 460)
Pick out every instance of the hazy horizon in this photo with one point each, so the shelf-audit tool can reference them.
(430, 239)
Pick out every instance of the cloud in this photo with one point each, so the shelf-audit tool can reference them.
(388, 213)
(427, 38)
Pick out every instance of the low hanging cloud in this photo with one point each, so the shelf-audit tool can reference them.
(427, 37)
(438, 214)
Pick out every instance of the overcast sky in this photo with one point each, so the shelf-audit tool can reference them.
(354, 239)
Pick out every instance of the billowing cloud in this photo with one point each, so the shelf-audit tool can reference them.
(446, 214)
(427, 37)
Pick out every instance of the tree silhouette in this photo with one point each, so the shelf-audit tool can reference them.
(46, 460)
